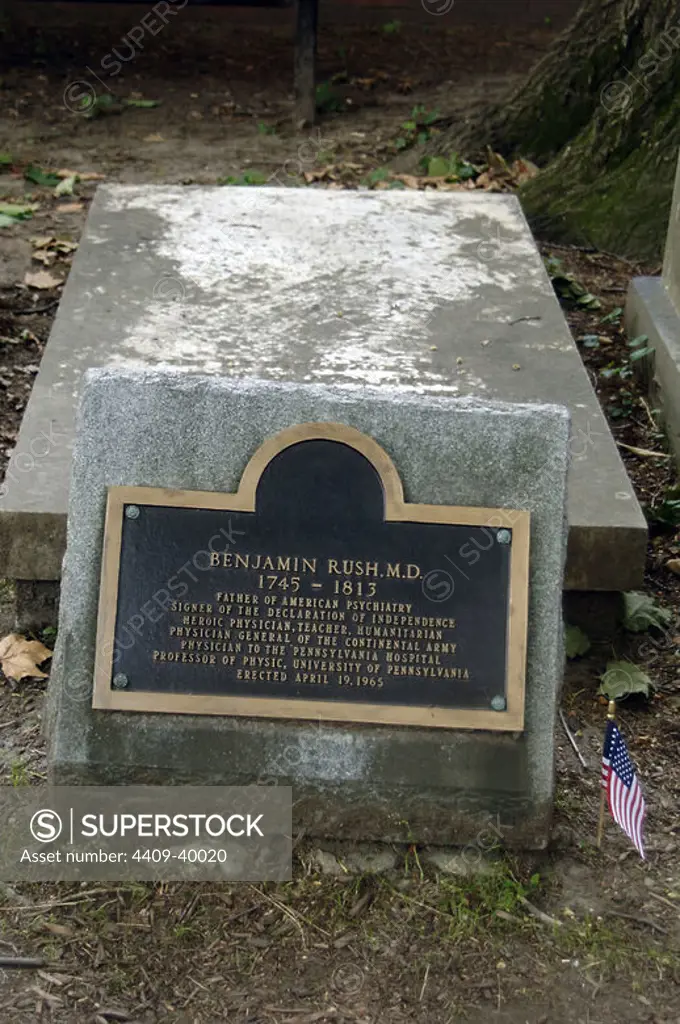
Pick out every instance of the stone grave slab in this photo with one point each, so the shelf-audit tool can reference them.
(653, 308)
(357, 775)
(439, 294)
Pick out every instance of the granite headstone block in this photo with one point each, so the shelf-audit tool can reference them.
(168, 429)
(671, 265)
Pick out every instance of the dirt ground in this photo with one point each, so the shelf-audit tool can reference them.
(412, 944)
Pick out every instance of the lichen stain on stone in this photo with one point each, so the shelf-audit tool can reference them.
(279, 282)
(332, 755)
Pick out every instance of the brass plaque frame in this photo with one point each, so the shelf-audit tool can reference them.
(105, 698)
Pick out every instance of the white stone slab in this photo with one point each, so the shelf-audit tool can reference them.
(435, 293)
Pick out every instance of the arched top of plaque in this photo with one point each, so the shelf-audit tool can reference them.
(337, 432)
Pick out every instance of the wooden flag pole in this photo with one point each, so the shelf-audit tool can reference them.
(611, 715)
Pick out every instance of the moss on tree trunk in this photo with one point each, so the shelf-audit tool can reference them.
(601, 114)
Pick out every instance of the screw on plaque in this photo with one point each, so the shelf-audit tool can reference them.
(120, 681)
(132, 511)
(503, 536)
(498, 703)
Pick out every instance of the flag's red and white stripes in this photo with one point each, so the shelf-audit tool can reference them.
(624, 793)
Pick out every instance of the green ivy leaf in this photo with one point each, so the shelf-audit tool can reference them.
(17, 211)
(438, 167)
(640, 353)
(575, 641)
(622, 678)
(40, 177)
(641, 613)
(589, 301)
(666, 511)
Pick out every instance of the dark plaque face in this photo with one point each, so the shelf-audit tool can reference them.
(314, 592)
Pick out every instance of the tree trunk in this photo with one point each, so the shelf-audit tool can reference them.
(601, 111)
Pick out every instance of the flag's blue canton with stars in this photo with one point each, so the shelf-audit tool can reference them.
(624, 793)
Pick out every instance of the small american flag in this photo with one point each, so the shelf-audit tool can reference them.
(624, 793)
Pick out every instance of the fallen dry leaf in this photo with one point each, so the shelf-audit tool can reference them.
(64, 247)
(19, 657)
(497, 164)
(70, 208)
(674, 565)
(523, 170)
(410, 180)
(45, 257)
(84, 176)
(322, 174)
(58, 929)
(66, 186)
(41, 279)
(42, 241)
(154, 137)
(365, 83)
(442, 183)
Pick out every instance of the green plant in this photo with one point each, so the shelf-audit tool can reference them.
(453, 168)
(411, 855)
(568, 289)
(38, 176)
(639, 349)
(10, 213)
(667, 510)
(474, 902)
(621, 678)
(417, 129)
(589, 340)
(612, 370)
(265, 129)
(624, 404)
(18, 774)
(94, 106)
(327, 99)
(641, 612)
(391, 28)
(410, 835)
(247, 178)
(376, 175)
(576, 642)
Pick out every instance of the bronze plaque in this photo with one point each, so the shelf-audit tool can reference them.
(316, 592)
